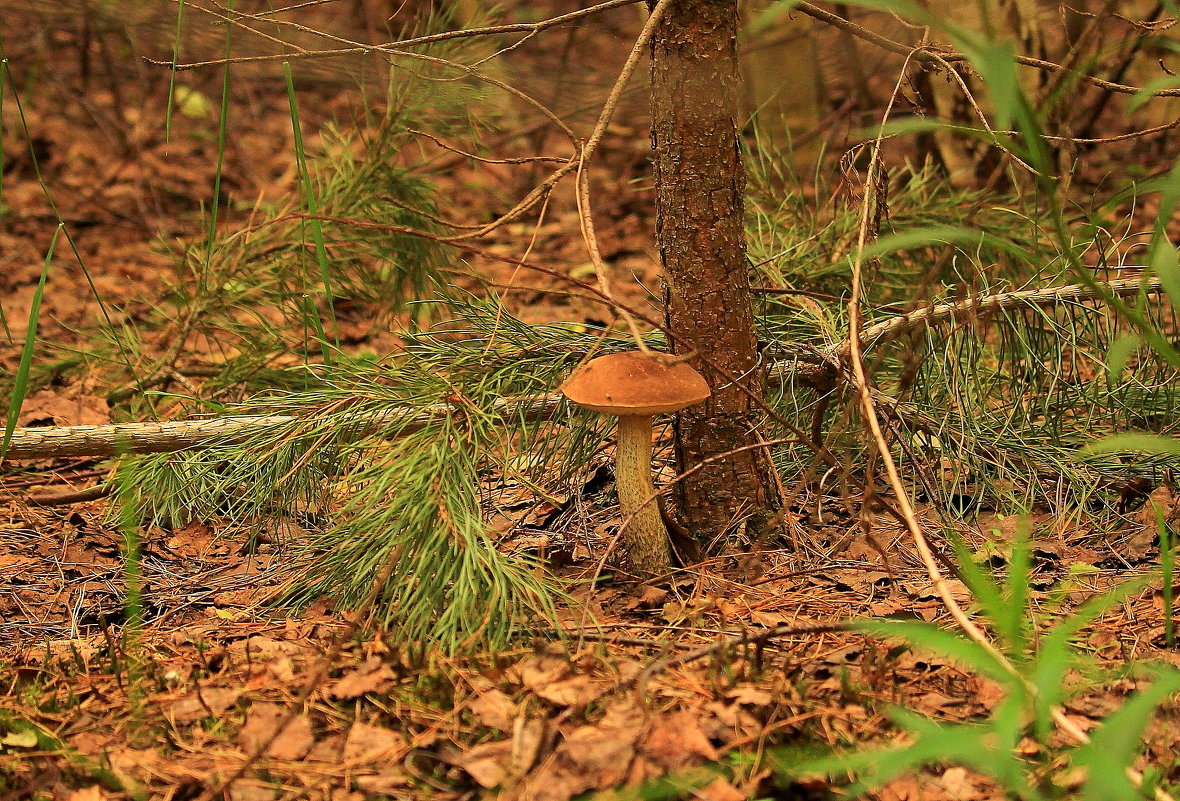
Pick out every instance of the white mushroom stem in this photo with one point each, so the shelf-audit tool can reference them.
(643, 532)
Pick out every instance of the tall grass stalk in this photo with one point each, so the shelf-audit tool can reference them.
(3, 208)
(176, 40)
(20, 385)
(222, 127)
(1167, 540)
(317, 232)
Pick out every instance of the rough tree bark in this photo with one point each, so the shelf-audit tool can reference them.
(700, 185)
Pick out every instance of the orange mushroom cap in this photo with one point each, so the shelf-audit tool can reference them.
(632, 384)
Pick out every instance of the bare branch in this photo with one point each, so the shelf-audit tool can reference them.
(393, 48)
(929, 54)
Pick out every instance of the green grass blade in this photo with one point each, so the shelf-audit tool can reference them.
(172, 71)
(317, 231)
(1114, 744)
(945, 643)
(21, 383)
(1167, 573)
(1056, 654)
(222, 127)
(1147, 443)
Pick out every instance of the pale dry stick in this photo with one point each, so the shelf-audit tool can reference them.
(1150, 25)
(884, 452)
(503, 51)
(582, 180)
(1105, 140)
(1120, 137)
(586, 151)
(854, 355)
(967, 93)
(954, 57)
(484, 159)
(1000, 302)
(586, 221)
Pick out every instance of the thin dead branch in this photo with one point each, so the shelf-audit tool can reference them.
(932, 55)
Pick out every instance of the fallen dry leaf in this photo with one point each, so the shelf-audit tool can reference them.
(293, 742)
(749, 695)
(247, 790)
(1145, 541)
(370, 743)
(92, 793)
(958, 782)
(494, 709)
(675, 741)
(384, 782)
(204, 702)
(63, 406)
(542, 670)
(259, 647)
(493, 764)
(329, 749)
(371, 677)
(593, 757)
(576, 691)
(719, 790)
(489, 763)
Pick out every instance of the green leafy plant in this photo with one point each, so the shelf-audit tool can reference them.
(1038, 668)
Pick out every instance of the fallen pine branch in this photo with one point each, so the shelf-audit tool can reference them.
(812, 365)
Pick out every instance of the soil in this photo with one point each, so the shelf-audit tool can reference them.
(702, 682)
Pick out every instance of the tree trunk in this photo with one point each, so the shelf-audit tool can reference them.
(700, 183)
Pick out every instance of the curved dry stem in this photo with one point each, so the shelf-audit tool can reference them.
(884, 453)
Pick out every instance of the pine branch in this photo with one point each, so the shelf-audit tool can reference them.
(810, 365)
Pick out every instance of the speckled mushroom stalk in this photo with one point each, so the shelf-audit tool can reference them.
(645, 537)
(635, 387)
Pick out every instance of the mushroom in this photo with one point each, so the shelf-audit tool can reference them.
(634, 387)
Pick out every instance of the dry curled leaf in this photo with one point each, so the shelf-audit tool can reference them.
(372, 677)
(292, 742)
(204, 702)
(675, 741)
(489, 763)
(494, 709)
(592, 757)
(367, 743)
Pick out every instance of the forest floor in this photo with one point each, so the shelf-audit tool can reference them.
(219, 684)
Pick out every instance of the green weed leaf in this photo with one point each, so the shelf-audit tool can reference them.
(1147, 443)
(1120, 352)
(929, 637)
(1114, 744)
